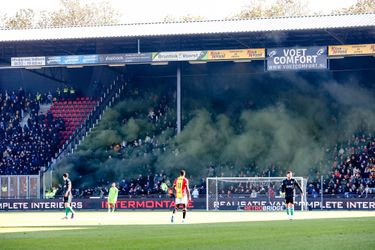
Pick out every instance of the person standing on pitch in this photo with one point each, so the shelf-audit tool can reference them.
(112, 197)
(67, 192)
(287, 188)
(181, 187)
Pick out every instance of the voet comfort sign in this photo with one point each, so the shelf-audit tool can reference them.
(305, 58)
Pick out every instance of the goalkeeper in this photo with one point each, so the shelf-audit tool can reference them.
(112, 197)
(287, 189)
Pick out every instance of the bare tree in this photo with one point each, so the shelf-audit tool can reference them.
(23, 19)
(75, 13)
(70, 13)
(281, 8)
(3, 19)
(169, 19)
(360, 7)
(43, 20)
(190, 18)
(187, 18)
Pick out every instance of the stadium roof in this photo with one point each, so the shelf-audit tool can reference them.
(191, 28)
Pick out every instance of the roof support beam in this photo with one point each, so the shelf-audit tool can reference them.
(332, 34)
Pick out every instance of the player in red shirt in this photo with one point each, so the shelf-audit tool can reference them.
(181, 187)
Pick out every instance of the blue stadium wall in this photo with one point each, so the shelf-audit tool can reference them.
(44, 80)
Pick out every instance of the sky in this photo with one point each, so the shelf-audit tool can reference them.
(155, 10)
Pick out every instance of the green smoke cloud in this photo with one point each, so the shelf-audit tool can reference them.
(289, 119)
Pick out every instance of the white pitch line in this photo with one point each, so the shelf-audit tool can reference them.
(47, 219)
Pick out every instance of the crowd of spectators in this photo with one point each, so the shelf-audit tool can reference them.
(28, 145)
(353, 175)
(353, 165)
(249, 189)
(353, 168)
(28, 139)
(160, 115)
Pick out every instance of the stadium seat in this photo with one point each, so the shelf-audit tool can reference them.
(74, 112)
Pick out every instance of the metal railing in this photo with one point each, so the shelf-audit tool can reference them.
(19, 186)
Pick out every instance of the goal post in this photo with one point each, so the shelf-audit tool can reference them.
(250, 193)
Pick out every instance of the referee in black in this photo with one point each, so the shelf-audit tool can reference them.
(287, 188)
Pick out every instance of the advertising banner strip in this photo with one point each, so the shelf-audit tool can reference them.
(204, 55)
(303, 58)
(28, 61)
(96, 204)
(275, 204)
(209, 55)
(112, 58)
(72, 60)
(250, 204)
(249, 54)
(179, 56)
(138, 58)
(125, 58)
(353, 50)
(98, 59)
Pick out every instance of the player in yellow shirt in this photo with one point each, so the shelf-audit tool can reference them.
(181, 187)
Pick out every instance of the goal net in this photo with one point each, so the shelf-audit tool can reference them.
(250, 193)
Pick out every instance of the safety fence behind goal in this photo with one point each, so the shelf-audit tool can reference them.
(19, 186)
(250, 193)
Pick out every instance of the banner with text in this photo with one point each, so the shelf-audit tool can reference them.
(72, 60)
(308, 58)
(125, 58)
(178, 56)
(353, 50)
(96, 204)
(28, 61)
(248, 204)
(278, 204)
(98, 59)
(239, 54)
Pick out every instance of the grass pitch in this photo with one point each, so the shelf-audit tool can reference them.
(334, 233)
